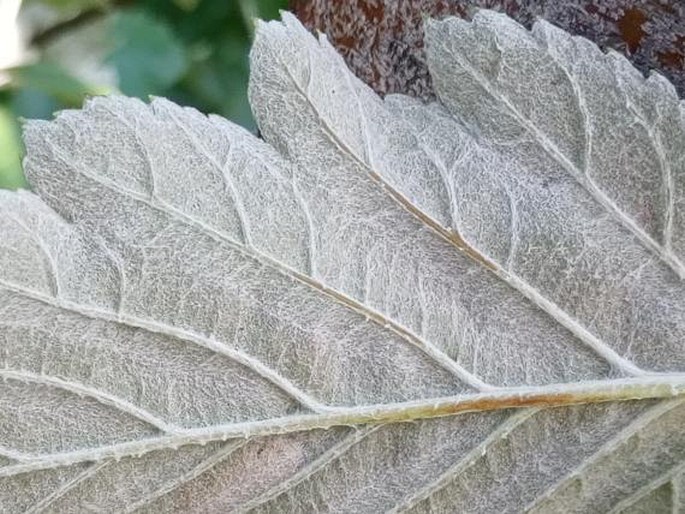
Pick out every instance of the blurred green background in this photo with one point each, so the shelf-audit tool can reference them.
(53, 53)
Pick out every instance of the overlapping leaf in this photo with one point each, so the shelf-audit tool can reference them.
(201, 321)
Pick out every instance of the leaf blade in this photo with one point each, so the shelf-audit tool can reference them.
(273, 259)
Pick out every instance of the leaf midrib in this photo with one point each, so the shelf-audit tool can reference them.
(556, 395)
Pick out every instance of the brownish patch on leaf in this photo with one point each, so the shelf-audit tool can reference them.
(515, 403)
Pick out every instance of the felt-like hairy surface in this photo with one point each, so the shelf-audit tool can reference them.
(476, 305)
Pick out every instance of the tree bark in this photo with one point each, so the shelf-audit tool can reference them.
(382, 40)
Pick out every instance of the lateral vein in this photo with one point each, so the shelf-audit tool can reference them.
(100, 396)
(610, 446)
(502, 431)
(217, 457)
(311, 468)
(600, 196)
(662, 479)
(456, 240)
(378, 318)
(220, 348)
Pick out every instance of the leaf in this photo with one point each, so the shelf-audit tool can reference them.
(10, 166)
(146, 55)
(258, 337)
(620, 136)
(52, 80)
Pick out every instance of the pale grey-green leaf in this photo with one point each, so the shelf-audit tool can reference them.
(189, 283)
(397, 272)
(563, 107)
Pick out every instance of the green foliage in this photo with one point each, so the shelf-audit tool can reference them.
(192, 51)
(51, 80)
(10, 167)
(147, 55)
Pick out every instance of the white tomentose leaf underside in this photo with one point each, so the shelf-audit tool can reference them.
(471, 306)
